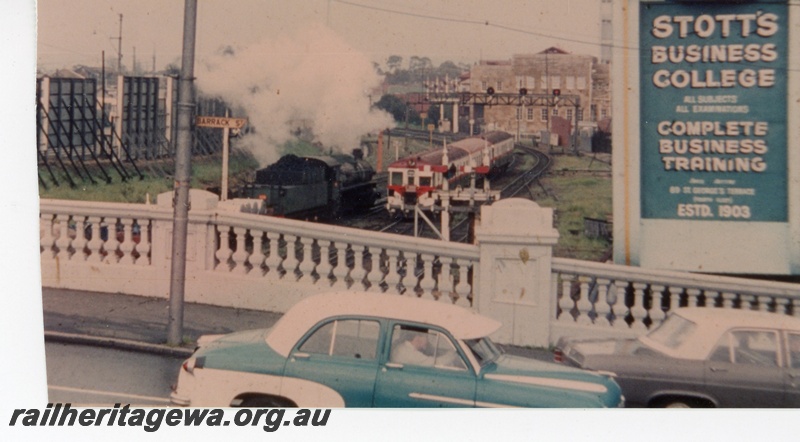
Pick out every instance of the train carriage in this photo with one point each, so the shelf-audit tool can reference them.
(414, 180)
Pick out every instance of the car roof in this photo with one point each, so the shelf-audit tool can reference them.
(461, 322)
(726, 318)
(712, 323)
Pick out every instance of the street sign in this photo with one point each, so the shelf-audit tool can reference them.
(221, 122)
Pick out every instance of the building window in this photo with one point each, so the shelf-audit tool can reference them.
(519, 113)
(555, 111)
(530, 83)
(603, 113)
(499, 86)
(544, 114)
(555, 82)
(581, 83)
(570, 82)
(530, 113)
(484, 85)
(593, 112)
(569, 114)
(580, 114)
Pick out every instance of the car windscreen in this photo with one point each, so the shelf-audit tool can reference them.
(483, 349)
(673, 332)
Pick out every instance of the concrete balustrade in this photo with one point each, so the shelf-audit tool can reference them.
(238, 257)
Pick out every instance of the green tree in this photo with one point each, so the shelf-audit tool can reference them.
(398, 108)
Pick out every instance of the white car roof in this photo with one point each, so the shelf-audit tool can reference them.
(712, 323)
(461, 322)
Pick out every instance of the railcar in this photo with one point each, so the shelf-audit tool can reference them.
(414, 180)
(314, 187)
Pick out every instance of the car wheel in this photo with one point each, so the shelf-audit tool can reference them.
(265, 402)
(677, 404)
(681, 402)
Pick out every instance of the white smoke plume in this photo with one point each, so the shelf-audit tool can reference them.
(312, 78)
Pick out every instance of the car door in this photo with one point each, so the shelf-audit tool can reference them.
(793, 370)
(431, 375)
(744, 369)
(340, 354)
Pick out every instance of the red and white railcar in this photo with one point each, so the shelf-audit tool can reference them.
(413, 180)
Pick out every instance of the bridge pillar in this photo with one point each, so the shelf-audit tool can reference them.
(516, 239)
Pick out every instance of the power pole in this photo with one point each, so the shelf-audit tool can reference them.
(183, 170)
(119, 47)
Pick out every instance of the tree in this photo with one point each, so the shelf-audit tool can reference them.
(394, 62)
(397, 108)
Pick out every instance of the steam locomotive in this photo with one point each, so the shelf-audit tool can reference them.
(314, 187)
(414, 180)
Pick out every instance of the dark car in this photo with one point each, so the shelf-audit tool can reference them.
(701, 357)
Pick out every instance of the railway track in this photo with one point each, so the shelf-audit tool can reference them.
(529, 165)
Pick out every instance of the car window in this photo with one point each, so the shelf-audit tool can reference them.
(424, 347)
(794, 350)
(751, 347)
(673, 332)
(353, 338)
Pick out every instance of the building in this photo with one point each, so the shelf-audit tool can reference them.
(547, 73)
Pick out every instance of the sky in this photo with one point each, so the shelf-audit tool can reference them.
(78, 31)
(280, 61)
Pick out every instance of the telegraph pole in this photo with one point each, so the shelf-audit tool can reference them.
(183, 171)
(119, 48)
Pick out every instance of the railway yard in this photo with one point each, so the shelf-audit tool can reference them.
(577, 187)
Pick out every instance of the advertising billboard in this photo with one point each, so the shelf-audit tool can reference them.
(713, 99)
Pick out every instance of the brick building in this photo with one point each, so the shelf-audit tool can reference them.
(543, 73)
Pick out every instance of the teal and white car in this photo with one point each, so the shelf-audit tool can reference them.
(375, 350)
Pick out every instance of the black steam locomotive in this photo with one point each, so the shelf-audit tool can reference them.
(314, 187)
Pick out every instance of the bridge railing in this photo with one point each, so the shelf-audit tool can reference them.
(242, 259)
(621, 300)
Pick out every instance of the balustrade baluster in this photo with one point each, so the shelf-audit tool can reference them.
(749, 302)
(463, 289)
(126, 246)
(657, 314)
(95, 244)
(342, 270)
(359, 272)
(584, 304)
(274, 259)
(782, 305)
(224, 252)
(565, 302)
(144, 245)
(239, 257)
(48, 239)
(446, 280)
(376, 274)
(602, 305)
(693, 297)
(728, 299)
(80, 241)
(392, 275)
(637, 310)
(291, 262)
(616, 296)
(112, 243)
(257, 256)
(308, 265)
(675, 297)
(427, 282)
(63, 239)
(324, 268)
